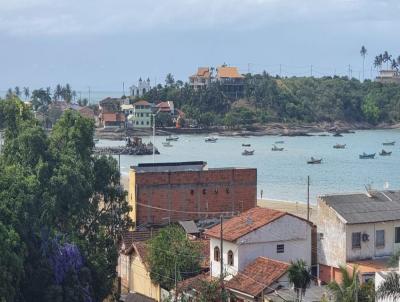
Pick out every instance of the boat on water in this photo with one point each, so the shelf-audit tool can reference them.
(314, 160)
(210, 139)
(275, 148)
(167, 144)
(248, 152)
(172, 138)
(385, 153)
(337, 134)
(246, 145)
(279, 142)
(367, 156)
(96, 140)
(339, 146)
(389, 143)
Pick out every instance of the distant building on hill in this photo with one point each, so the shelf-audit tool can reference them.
(141, 115)
(388, 76)
(169, 192)
(141, 88)
(201, 79)
(111, 114)
(231, 81)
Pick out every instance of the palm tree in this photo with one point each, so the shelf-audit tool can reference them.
(17, 91)
(348, 289)
(26, 92)
(378, 62)
(363, 53)
(390, 288)
(386, 58)
(394, 64)
(299, 275)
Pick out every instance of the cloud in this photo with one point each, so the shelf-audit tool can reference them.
(65, 17)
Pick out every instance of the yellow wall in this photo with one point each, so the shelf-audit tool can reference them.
(132, 194)
(140, 281)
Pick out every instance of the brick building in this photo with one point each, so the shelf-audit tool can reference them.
(168, 192)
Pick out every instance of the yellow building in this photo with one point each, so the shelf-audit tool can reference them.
(134, 272)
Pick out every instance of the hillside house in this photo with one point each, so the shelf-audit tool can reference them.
(141, 116)
(201, 79)
(259, 232)
(111, 114)
(231, 81)
(388, 76)
(357, 229)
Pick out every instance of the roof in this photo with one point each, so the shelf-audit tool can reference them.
(228, 72)
(113, 117)
(257, 276)
(128, 237)
(371, 265)
(126, 106)
(203, 72)
(189, 226)
(360, 208)
(170, 167)
(141, 102)
(245, 223)
(195, 282)
(135, 297)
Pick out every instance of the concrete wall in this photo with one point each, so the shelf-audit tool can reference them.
(332, 242)
(216, 190)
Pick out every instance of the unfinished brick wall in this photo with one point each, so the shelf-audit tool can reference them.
(216, 190)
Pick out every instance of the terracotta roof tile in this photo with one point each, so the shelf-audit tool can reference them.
(245, 223)
(194, 282)
(142, 102)
(202, 72)
(228, 72)
(258, 275)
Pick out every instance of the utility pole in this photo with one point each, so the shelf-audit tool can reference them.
(221, 276)
(280, 70)
(123, 88)
(119, 167)
(176, 283)
(311, 70)
(154, 136)
(349, 72)
(89, 95)
(308, 198)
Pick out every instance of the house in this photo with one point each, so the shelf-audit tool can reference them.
(388, 76)
(160, 193)
(141, 116)
(141, 88)
(201, 79)
(231, 81)
(167, 107)
(258, 232)
(111, 115)
(357, 229)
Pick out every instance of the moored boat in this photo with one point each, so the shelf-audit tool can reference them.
(248, 152)
(314, 161)
(367, 156)
(210, 139)
(337, 134)
(389, 143)
(385, 153)
(172, 138)
(279, 142)
(339, 146)
(246, 145)
(167, 144)
(275, 148)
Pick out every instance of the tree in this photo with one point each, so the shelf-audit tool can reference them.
(378, 62)
(26, 92)
(172, 256)
(348, 289)
(371, 110)
(386, 57)
(299, 275)
(17, 91)
(390, 287)
(169, 80)
(363, 53)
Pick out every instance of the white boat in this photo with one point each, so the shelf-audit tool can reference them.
(172, 138)
(210, 139)
(167, 144)
(248, 152)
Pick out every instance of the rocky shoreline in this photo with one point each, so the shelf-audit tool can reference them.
(280, 129)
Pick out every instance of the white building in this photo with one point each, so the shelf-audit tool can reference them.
(141, 117)
(141, 88)
(357, 229)
(259, 232)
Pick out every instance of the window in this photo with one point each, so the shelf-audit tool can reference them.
(216, 254)
(380, 238)
(137, 123)
(142, 123)
(141, 115)
(397, 235)
(356, 240)
(280, 248)
(230, 258)
(147, 123)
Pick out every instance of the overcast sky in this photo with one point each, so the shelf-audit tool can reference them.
(101, 43)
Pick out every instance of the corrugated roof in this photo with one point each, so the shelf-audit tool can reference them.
(257, 276)
(189, 226)
(228, 72)
(360, 208)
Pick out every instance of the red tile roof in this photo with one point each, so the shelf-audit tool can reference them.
(141, 102)
(257, 276)
(195, 282)
(202, 72)
(245, 223)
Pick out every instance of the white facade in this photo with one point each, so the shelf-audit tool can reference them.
(291, 232)
(141, 115)
(141, 88)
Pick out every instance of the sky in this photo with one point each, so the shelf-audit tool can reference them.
(102, 44)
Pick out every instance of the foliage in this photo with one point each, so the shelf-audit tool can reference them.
(394, 259)
(299, 275)
(172, 256)
(61, 210)
(213, 292)
(390, 287)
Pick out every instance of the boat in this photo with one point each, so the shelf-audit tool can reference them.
(275, 148)
(248, 152)
(96, 140)
(385, 153)
(339, 146)
(389, 143)
(367, 156)
(211, 139)
(167, 144)
(314, 161)
(172, 138)
(337, 134)
(279, 142)
(246, 145)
